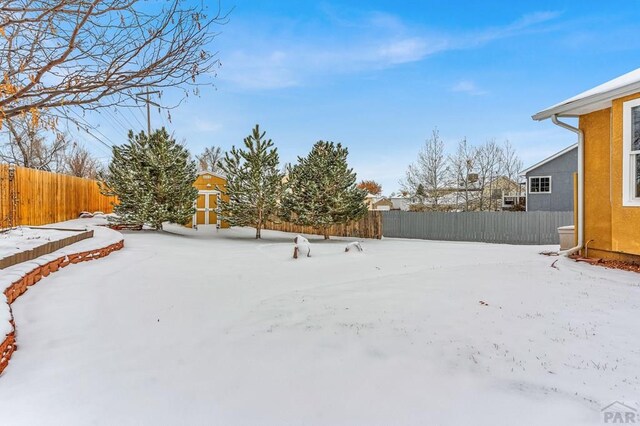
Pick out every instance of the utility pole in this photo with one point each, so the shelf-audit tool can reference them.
(149, 103)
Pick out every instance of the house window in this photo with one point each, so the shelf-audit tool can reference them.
(539, 184)
(631, 150)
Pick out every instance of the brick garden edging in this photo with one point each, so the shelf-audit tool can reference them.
(18, 287)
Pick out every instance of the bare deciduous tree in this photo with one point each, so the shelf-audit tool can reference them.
(431, 170)
(477, 176)
(79, 162)
(209, 159)
(463, 163)
(489, 167)
(36, 148)
(511, 163)
(58, 54)
(27, 146)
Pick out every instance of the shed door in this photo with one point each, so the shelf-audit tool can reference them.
(206, 208)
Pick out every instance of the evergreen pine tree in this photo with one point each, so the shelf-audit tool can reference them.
(421, 194)
(322, 189)
(153, 178)
(254, 182)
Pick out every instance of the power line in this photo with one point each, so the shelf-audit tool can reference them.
(164, 123)
(116, 121)
(133, 125)
(134, 111)
(98, 131)
(141, 113)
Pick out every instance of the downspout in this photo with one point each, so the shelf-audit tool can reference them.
(580, 206)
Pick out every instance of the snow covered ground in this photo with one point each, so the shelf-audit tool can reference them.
(24, 238)
(218, 328)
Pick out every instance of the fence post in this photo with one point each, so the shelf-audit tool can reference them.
(13, 199)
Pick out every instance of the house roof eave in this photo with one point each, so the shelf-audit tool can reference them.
(548, 159)
(595, 99)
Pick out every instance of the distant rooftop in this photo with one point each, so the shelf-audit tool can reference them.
(599, 97)
(546, 160)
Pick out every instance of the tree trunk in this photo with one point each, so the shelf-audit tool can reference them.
(325, 232)
(259, 225)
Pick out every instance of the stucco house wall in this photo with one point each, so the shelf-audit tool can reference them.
(612, 228)
(611, 207)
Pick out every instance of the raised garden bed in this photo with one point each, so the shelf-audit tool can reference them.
(24, 244)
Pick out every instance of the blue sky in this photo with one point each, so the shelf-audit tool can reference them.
(378, 76)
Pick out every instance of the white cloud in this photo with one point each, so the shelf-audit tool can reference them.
(205, 126)
(375, 41)
(468, 87)
(272, 70)
(407, 50)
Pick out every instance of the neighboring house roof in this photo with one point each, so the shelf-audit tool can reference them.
(450, 199)
(548, 159)
(400, 202)
(500, 180)
(595, 99)
(384, 201)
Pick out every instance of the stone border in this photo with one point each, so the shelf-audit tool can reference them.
(17, 288)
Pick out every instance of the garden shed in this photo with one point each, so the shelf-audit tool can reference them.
(211, 188)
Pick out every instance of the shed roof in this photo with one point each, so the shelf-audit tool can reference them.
(599, 97)
(204, 172)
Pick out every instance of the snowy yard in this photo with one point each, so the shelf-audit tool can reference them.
(217, 328)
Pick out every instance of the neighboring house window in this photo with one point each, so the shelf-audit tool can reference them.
(631, 149)
(539, 184)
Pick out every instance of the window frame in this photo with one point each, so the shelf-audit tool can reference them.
(629, 199)
(538, 192)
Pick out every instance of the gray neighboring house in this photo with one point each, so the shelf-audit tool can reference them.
(550, 182)
(402, 202)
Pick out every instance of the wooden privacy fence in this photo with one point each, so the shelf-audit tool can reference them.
(36, 197)
(369, 226)
(488, 227)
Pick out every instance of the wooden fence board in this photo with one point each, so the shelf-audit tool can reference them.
(43, 197)
(369, 226)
